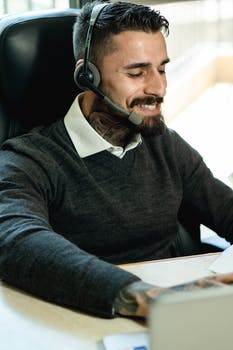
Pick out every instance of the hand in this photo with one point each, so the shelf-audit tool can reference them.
(224, 278)
(134, 299)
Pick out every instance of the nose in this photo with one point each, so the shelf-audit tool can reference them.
(156, 84)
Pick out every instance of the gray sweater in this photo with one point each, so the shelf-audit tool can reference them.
(65, 222)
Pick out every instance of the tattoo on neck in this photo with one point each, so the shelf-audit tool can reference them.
(114, 129)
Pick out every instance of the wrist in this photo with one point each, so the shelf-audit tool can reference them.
(134, 299)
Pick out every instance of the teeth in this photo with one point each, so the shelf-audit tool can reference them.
(150, 107)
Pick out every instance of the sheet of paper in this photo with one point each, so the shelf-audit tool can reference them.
(128, 341)
(224, 262)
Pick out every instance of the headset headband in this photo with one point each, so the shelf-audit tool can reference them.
(97, 9)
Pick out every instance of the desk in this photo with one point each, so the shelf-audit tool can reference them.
(28, 323)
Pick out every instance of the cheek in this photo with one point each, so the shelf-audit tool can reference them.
(122, 91)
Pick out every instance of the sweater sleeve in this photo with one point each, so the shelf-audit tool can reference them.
(211, 200)
(40, 261)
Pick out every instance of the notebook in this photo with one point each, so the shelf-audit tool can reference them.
(191, 320)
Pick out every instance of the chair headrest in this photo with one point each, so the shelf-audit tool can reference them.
(36, 69)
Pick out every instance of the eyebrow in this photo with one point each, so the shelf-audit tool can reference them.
(144, 64)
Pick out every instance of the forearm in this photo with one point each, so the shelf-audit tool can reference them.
(54, 269)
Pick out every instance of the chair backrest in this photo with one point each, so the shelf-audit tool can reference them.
(36, 69)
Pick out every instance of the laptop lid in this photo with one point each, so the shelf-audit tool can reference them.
(199, 319)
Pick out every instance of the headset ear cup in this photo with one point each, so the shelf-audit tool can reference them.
(77, 73)
(93, 76)
(95, 73)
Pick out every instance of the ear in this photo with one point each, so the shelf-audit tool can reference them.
(78, 68)
(79, 62)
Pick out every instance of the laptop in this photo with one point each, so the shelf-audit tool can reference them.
(191, 320)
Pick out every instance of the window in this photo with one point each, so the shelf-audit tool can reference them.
(15, 6)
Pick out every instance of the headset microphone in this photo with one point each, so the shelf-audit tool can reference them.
(87, 75)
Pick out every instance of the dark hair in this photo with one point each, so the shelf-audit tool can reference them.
(114, 19)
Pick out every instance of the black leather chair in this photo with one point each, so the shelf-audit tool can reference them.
(36, 69)
(189, 239)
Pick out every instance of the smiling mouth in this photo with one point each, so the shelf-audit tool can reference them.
(149, 107)
(148, 103)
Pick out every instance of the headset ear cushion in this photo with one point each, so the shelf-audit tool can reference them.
(93, 76)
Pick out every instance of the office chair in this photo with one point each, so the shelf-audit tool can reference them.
(189, 240)
(36, 69)
(37, 86)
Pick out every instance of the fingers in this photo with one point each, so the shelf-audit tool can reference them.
(225, 278)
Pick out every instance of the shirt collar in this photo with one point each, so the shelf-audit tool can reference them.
(85, 139)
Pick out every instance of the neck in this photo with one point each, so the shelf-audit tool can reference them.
(111, 127)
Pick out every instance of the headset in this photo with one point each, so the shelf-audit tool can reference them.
(87, 75)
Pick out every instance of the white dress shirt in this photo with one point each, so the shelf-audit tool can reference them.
(86, 140)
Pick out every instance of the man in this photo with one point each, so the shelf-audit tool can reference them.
(110, 183)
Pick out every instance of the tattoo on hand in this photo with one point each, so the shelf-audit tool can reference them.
(134, 299)
(197, 284)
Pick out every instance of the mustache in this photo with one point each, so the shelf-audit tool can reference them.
(148, 100)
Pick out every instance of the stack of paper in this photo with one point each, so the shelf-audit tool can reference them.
(224, 262)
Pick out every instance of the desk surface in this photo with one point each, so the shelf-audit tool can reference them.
(28, 323)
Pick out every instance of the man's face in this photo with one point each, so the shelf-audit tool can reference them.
(133, 75)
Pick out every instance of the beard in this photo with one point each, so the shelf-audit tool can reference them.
(115, 127)
(151, 125)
